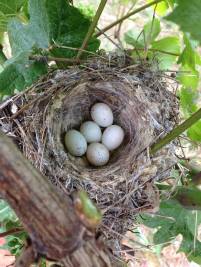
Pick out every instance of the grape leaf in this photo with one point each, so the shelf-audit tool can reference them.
(51, 21)
(171, 220)
(150, 33)
(8, 10)
(19, 72)
(187, 14)
(188, 100)
(162, 7)
(194, 132)
(169, 45)
(188, 77)
(188, 56)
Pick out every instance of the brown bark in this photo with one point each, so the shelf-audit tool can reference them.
(49, 218)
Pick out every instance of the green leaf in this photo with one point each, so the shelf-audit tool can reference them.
(8, 10)
(6, 213)
(171, 220)
(169, 45)
(162, 7)
(150, 32)
(188, 56)
(188, 77)
(51, 21)
(195, 132)
(20, 72)
(188, 100)
(187, 14)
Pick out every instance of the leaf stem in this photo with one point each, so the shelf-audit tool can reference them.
(176, 132)
(92, 27)
(126, 16)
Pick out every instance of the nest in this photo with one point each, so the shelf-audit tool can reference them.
(143, 106)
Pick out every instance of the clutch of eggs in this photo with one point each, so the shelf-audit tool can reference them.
(91, 140)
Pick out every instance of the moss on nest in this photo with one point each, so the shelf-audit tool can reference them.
(142, 104)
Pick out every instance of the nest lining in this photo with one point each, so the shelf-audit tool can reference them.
(142, 105)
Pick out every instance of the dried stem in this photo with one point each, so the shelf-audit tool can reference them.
(176, 132)
(56, 59)
(92, 27)
(127, 16)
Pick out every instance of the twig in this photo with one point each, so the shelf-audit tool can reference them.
(92, 27)
(176, 132)
(57, 59)
(11, 232)
(157, 50)
(126, 16)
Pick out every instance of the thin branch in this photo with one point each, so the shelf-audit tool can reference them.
(176, 132)
(126, 16)
(92, 26)
(11, 232)
(157, 50)
(56, 59)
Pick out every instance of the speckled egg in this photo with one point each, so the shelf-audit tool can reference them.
(75, 143)
(91, 131)
(97, 154)
(113, 137)
(102, 114)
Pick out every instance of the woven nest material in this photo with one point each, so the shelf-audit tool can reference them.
(142, 105)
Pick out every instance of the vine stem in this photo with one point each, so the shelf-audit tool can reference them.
(176, 132)
(92, 27)
(126, 16)
(157, 50)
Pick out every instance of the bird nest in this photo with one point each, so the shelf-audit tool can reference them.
(143, 105)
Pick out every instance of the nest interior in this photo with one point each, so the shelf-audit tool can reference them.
(143, 105)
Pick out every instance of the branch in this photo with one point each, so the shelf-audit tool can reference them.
(176, 132)
(126, 16)
(56, 59)
(156, 50)
(38, 204)
(50, 218)
(92, 27)
(12, 231)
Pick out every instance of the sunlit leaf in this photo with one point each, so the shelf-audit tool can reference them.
(188, 77)
(194, 132)
(168, 50)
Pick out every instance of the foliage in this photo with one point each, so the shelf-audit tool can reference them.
(8, 221)
(49, 28)
(187, 15)
(51, 22)
(173, 219)
(8, 10)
